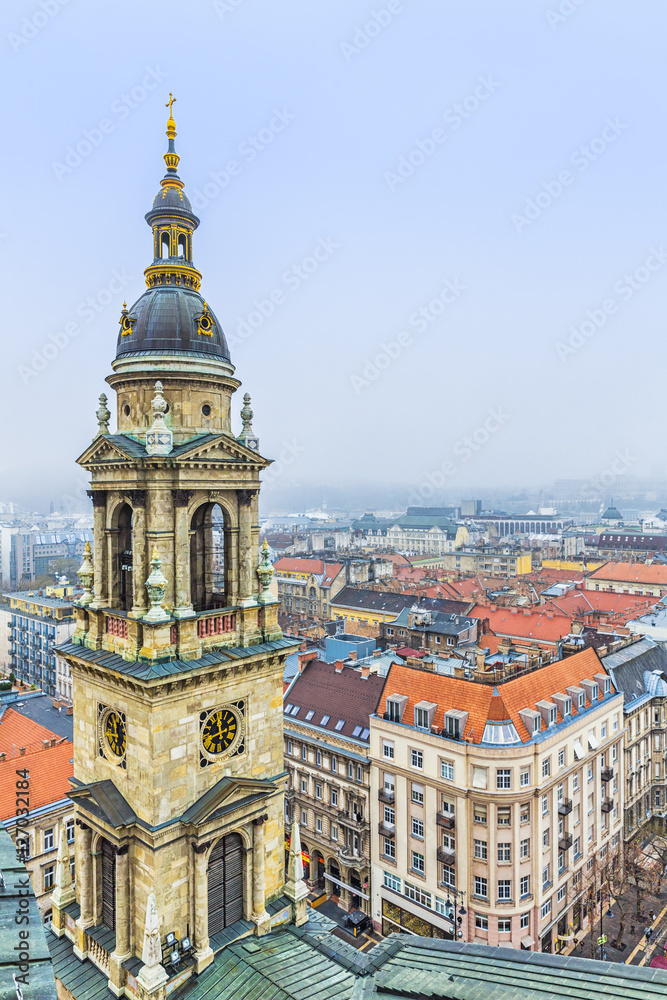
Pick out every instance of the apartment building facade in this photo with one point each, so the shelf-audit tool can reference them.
(36, 624)
(639, 671)
(326, 731)
(490, 801)
(307, 586)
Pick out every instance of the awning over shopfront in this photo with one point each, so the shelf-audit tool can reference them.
(344, 885)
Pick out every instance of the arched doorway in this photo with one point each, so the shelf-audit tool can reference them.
(108, 863)
(124, 557)
(317, 871)
(209, 541)
(225, 883)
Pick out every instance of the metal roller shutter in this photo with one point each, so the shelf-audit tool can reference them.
(108, 885)
(225, 883)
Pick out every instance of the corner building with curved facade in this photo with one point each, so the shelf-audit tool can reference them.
(177, 658)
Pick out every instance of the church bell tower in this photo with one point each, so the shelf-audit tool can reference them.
(177, 658)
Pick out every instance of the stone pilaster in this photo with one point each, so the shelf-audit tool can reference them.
(203, 951)
(99, 498)
(84, 877)
(260, 917)
(117, 974)
(139, 568)
(183, 596)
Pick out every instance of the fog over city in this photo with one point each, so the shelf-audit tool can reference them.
(432, 232)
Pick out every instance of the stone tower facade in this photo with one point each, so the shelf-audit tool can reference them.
(177, 658)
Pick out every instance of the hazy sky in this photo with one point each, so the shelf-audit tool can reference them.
(483, 184)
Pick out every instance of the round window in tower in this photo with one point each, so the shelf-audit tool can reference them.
(126, 410)
(206, 410)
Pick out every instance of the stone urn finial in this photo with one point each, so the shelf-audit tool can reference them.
(103, 415)
(247, 435)
(86, 575)
(159, 439)
(156, 585)
(265, 572)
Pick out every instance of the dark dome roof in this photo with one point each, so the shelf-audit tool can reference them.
(612, 514)
(170, 198)
(165, 320)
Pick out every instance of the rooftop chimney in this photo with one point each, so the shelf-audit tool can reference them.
(353, 655)
(340, 665)
(365, 672)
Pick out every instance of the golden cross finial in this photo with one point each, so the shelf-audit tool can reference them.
(169, 105)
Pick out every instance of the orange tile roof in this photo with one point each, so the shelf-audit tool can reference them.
(18, 731)
(626, 572)
(480, 701)
(525, 623)
(583, 602)
(49, 768)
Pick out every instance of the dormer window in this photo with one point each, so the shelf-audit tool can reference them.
(532, 720)
(564, 703)
(547, 710)
(604, 683)
(455, 722)
(395, 707)
(424, 713)
(592, 689)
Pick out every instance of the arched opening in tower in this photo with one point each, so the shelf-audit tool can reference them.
(124, 559)
(164, 245)
(182, 246)
(209, 558)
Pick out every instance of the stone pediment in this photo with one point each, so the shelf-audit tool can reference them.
(222, 448)
(224, 794)
(109, 449)
(103, 800)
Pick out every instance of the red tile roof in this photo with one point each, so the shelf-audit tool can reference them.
(315, 566)
(49, 771)
(626, 572)
(585, 602)
(524, 623)
(480, 701)
(18, 731)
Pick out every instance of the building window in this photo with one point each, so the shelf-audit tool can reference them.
(546, 767)
(304, 818)
(49, 872)
(334, 763)
(417, 828)
(545, 875)
(449, 876)
(359, 772)
(318, 758)
(504, 888)
(334, 832)
(304, 786)
(389, 849)
(304, 752)
(391, 881)
(561, 894)
(416, 759)
(504, 925)
(388, 749)
(524, 850)
(504, 815)
(480, 850)
(447, 770)
(334, 797)
(389, 816)
(48, 840)
(545, 805)
(545, 838)
(525, 921)
(546, 909)
(418, 895)
(481, 922)
(418, 794)
(481, 886)
(524, 779)
(524, 885)
(503, 778)
(318, 791)
(417, 862)
(69, 828)
(479, 813)
(561, 757)
(318, 825)
(575, 782)
(72, 867)
(504, 852)
(525, 812)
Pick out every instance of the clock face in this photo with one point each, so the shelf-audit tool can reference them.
(113, 728)
(219, 731)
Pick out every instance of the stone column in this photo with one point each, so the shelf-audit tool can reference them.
(139, 565)
(203, 951)
(259, 915)
(246, 569)
(99, 498)
(183, 594)
(84, 877)
(117, 974)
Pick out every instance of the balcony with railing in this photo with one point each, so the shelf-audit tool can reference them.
(387, 830)
(445, 819)
(565, 842)
(384, 795)
(447, 855)
(607, 805)
(352, 820)
(607, 773)
(564, 807)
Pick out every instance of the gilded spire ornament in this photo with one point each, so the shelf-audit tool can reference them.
(86, 575)
(103, 415)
